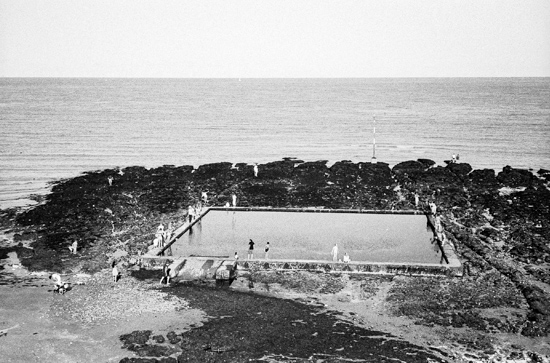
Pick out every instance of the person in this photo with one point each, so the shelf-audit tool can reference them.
(204, 197)
(255, 170)
(251, 249)
(165, 274)
(433, 208)
(227, 205)
(435, 244)
(60, 286)
(160, 229)
(236, 262)
(110, 180)
(453, 159)
(168, 233)
(234, 197)
(416, 199)
(439, 230)
(346, 258)
(115, 272)
(190, 213)
(334, 253)
(73, 247)
(156, 242)
(267, 251)
(56, 279)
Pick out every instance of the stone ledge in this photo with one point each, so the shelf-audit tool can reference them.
(381, 268)
(454, 268)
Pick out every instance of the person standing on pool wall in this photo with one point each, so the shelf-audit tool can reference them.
(251, 249)
(267, 251)
(334, 253)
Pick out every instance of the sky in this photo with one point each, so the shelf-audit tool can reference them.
(275, 39)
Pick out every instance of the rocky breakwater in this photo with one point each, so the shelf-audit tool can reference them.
(499, 223)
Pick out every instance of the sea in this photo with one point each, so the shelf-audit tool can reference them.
(56, 128)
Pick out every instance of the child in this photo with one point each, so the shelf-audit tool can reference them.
(346, 258)
(267, 251)
(60, 286)
(115, 272)
(165, 274)
(73, 247)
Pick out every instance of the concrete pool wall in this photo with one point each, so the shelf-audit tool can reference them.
(449, 264)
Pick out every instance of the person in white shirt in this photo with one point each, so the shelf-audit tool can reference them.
(334, 253)
(346, 258)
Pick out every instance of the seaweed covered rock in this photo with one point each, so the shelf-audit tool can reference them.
(377, 175)
(460, 169)
(276, 170)
(264, 194)
(515, 178)
(428, 163)
(214, 170)
(137, 337)
(409, 167)
(312, 172)
(344, 172)
(545, 174)
(483, 178)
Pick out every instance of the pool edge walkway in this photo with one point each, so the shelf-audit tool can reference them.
(202, 265)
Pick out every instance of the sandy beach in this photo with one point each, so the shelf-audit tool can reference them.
(497, 312)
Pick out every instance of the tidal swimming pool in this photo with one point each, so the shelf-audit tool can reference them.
(398, 238)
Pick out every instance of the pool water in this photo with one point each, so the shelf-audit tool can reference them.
(397, 238)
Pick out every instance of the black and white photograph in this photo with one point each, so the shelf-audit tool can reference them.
(275, 181)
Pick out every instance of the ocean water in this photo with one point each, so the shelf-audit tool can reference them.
(59, 128)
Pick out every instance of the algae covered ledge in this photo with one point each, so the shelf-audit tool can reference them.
(498, 223)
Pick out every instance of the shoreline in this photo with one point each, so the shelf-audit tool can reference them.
(37, 196)
(497, 221)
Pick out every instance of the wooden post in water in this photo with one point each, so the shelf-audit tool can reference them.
(373, 160)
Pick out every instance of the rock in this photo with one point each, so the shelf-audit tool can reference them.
(426, 162)
(408, 166)
(276, 170)
(545, 174)
(375, 175)
(25, 236)
(213, 170)
(516, 177)
(461, 169)
(137, 337)
(484, 177)
(173, 338)
(158, 339)
(344, 172)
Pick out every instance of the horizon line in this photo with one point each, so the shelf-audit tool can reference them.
(240, 78)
